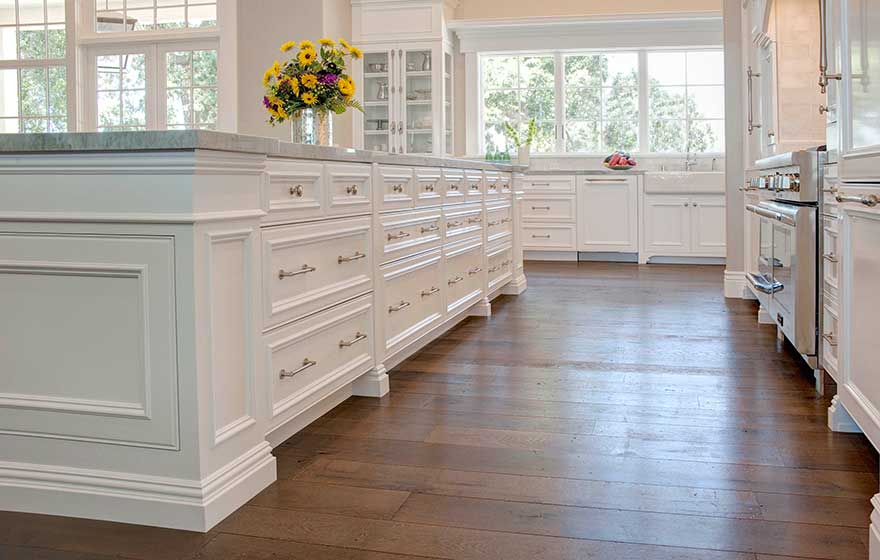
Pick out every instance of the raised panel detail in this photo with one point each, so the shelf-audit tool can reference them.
(88, 348)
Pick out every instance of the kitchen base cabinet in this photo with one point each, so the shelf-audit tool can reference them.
(608, 214)
(684, 226)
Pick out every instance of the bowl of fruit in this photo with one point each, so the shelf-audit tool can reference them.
(620, 161)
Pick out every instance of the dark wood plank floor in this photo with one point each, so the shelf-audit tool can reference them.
(612, 412)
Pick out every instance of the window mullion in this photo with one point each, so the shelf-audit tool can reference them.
(644, 106)
(559, 98)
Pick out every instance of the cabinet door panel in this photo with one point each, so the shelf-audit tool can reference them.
(862, 75)
(608, 214)
(667, 225)
(708, 226)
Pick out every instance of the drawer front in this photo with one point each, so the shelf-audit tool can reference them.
(561, 209)
(349, 189)
(506, 183)
(549, 184)
(499, 222)
(830, 330)
(293, 191)
(412, 298)
(454, 186)
(396, 186)
(465, 275)
(429, 187)
(831, 257)
(493, 184)
(313, 266)
(500, 266)
(475, 185)
(463, 222)
(549, 237)
(408, 233)
(310, 359)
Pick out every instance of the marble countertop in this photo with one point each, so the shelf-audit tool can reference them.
(79, 142)
(597, 171)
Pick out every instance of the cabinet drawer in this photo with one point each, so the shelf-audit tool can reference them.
(493, 184)
(293, 190)
(310, 359)
(463, 222)
(506, 183)
(499, 261)
(549, 209)
(407, 233)
(830, 333)
(349, 189)
(464, 275)
(411, 298)
(309, 267)
(396, 187)
(549, 183)
(475, 185)
(831, 258)
(558, 237)
(499, 222)
(429, 190)
(453, 186)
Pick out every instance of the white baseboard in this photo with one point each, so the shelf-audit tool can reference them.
(374, 383)
(194, 505)
(515, 287)
(281, 433)
(735, 284)
(565, 256)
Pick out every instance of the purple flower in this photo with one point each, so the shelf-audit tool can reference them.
(266, 103)
(328, 79)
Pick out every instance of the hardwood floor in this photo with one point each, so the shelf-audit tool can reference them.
(611, 412)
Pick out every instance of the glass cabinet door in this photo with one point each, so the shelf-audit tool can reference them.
(418, 100)
(448, 118)
(863, 86)
(378, 113)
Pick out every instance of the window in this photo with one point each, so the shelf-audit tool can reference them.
(122, 92)
(191, 89)
(598, 102)
(112, 16)
(33, 66)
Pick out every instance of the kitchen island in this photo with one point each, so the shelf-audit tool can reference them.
(178, 303)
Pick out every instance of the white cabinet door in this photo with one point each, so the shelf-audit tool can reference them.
(608, 214)
(860, 154)
(708, 226)
(667, 225)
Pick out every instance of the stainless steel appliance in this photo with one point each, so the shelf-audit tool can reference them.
(788, 280)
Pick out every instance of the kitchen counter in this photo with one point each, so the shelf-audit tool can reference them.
(600, 171)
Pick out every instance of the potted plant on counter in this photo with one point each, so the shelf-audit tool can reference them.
(523, 143)
(309, 87)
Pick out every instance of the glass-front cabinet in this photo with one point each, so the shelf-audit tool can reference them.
(407, 97)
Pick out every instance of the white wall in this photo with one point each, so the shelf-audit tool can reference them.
(480, 9)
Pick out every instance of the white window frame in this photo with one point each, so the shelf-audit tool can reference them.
(474, 70)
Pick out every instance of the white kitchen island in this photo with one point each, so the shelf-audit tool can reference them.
(177, 303)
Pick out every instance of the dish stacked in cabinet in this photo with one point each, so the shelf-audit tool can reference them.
(549, 213)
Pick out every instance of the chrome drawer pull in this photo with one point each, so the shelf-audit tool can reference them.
(507, 263)
(830, 257)
(358, 336)
(401, 235)
(398, 307)
(505, 187)
(296, 191)
(541, 236)
(506, 220)
(830, 339)
(475, 187)
(475, 270)
(871, 200)
(494, 223)
(397, 188)
(430, 228)
(352, 190)
(307, 363)
(540, 208)
(282, 274)
(540, 184)
(429, 188)
(456, 223)
(475, 220)
(493, 186)
(357, 256)
(453, 187)
(431, 292)
(495, 269)
(455, 280)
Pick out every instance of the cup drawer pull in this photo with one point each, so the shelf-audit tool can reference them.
(398, 307)
(830, 339)
(357, 256)
(455, 280)
(430, 228)
(359, 336)
(431, 292)
(307, 363)
(282, 274)
(400, 235)
(830, 257)
(475, 270)
(296, 191)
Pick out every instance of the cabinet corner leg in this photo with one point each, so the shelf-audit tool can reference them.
(516, 286)
(482, 308)
(874, 530)
(839, 420)
(764, 317)
(374, 383)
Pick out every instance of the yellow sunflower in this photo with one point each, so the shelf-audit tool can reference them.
(344, 43)
(356, 52)
(294, 85)
(267, 76)
(326, 41)
(306, 56)
(276, 68)
(309, 81)
(346, 87)
(307, 45)
(309, 98)
(287, 46)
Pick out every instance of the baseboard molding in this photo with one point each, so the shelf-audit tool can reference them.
(554, 256)
(515, 287)
(735, 285)
(194, 505)
(589, 256)
(716, 261)
(281, 433)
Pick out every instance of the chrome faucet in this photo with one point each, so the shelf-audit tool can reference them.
(688, 162)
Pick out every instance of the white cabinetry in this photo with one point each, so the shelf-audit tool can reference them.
(678, 225)
(549, 213)
(608, 214)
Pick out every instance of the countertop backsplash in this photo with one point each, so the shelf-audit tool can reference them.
(646, 163)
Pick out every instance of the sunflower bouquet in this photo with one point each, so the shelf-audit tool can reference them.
(313, 79)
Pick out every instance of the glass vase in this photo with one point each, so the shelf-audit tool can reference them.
(312, 127)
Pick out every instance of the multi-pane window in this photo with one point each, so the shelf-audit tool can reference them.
(515, 90)
(113, 16)
(600, 102)
(122, 92)
(33, 66)
(191, 89)
(686, 101)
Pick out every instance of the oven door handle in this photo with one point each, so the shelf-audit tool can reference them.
(764, 285)
(785, 218)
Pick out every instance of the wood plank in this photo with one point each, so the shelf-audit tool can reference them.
(33, 553)
(239, 547)
(846, 512)
(324, 498)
